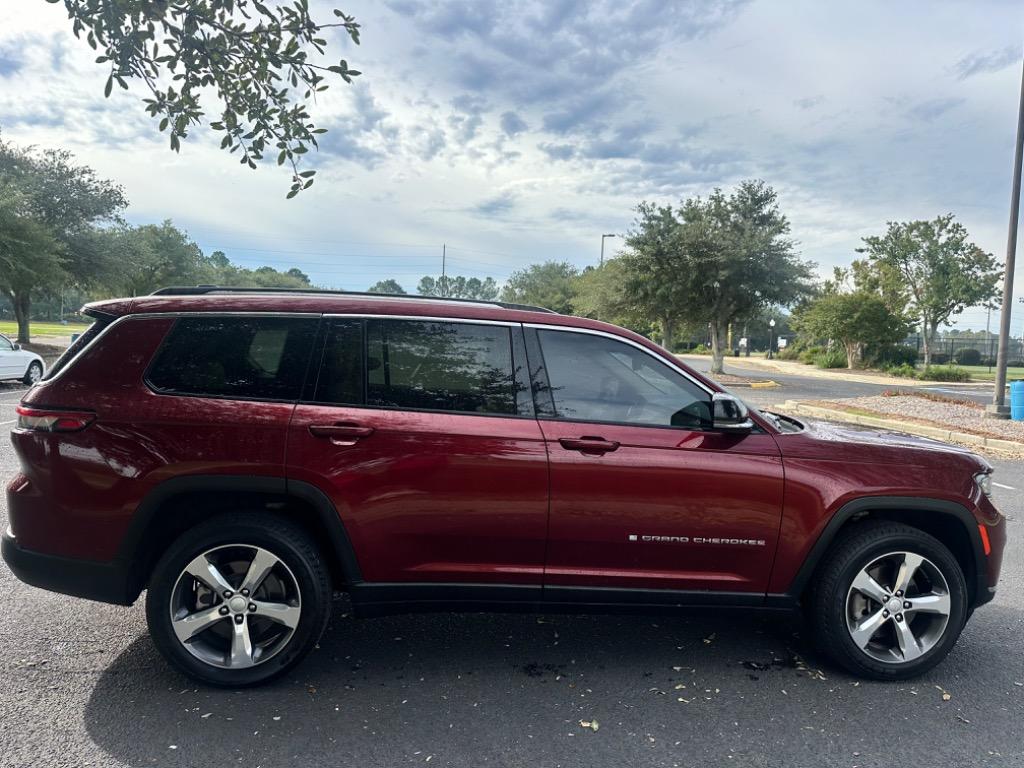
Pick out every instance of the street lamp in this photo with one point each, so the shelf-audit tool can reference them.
(771, 336)
(602, 247)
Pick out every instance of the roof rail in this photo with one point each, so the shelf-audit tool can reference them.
(202, 290)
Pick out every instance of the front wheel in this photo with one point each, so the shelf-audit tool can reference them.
(238, 600)
(890, 601)
(34, 373)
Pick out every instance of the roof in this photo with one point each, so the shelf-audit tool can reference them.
(218, 299)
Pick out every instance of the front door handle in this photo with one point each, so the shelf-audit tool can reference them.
(589, 445)
(340, 434)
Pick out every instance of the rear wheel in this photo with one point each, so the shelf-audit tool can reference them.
(34, 373)
(889, 602)
(239, 599)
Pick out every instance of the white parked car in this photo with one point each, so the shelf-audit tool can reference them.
(18, 363)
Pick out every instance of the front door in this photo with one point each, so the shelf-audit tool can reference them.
(423, 435)
(644, 495)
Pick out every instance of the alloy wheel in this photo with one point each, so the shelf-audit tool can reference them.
(897, 608)
(235, 606)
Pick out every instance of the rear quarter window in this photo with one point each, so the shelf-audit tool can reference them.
(248, 358)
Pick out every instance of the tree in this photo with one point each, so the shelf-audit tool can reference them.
(548, 285)
(151, 256)
(652, 265)
(389, 286)
(29, 255)
(64, 202)
(599, 292)
(852, 319)
(255, 56)
(458, 287)
(941, 272)
(715, 261)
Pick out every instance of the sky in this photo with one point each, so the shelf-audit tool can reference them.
(515, 133)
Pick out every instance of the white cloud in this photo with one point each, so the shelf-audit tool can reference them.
(521, 132)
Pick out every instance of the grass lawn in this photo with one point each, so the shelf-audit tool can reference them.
(982, 373)
(10, 328)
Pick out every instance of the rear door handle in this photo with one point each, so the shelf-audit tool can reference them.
(589, 445)
(340, 434)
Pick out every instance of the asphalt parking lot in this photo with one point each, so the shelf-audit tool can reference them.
(83, 685)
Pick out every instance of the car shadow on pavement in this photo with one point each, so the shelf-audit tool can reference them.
(447, 686)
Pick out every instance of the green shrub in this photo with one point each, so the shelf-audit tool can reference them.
(945, 373)
(833, 359)
(1014, 364)
(888, 355)
(810, 354)
(700, 349)
(789, 353)
(968, 356)
(939, 358)
(904, 371)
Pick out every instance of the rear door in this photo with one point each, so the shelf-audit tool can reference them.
(644, 494)
(422, 432)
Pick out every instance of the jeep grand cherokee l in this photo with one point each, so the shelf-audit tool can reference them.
(240, 454)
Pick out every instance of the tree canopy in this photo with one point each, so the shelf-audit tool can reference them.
(852, 319)
(716, 260)
(547, 285)
(49, 206)
(389, 286)
(935, 266)
(458, 287)
(263, 61)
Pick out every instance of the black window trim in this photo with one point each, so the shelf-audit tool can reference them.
(511, 325)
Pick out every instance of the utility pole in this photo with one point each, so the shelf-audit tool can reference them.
(444, 257)
(998, 409)
(602, 247)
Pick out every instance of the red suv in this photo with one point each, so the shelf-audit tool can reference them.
(240, 454)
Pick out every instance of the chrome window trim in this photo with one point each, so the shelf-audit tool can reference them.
(591, 332)
(423, 318)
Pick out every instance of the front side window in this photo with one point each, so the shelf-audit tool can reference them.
(252, 358)
(594, 378)
(440, 366)
(5, 344)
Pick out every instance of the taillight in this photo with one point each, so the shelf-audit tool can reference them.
(48, 420)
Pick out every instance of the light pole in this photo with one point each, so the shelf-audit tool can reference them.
(602, 247)
(771, 336)
(998, 409)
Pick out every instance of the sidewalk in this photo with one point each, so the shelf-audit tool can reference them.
(794, 368)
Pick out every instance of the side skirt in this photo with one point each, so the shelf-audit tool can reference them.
(379, 599)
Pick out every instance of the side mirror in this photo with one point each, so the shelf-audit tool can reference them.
(16, 347)
(729, 414)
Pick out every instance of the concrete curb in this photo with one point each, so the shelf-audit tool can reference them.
(937, 433)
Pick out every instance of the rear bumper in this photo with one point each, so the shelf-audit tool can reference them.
(104, 582)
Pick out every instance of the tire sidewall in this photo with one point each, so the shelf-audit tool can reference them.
(941, 557)
(314, 601)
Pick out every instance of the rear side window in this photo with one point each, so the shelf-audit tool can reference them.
(250, 358)
(440, 366)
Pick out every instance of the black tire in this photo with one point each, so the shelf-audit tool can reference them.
(287, 542)
(28, 377)
(863, 545)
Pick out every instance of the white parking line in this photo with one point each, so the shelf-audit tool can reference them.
(1000, 485)
(7, 422)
